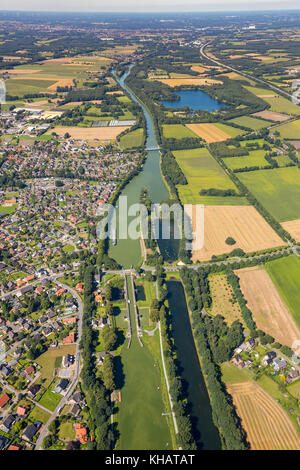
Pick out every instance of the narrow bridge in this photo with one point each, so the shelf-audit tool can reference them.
(152, 149)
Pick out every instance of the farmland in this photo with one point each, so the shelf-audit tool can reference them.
(214, 132)
(132, 139)
(267, 425)
(277, 103)
(202, 172)
(252, 123)
(243, 223)
(255, 158)
(177, 131)
(291, 130)
(285, 273)
(174, 82)
(278, 190)
(293, 227)
(269, 311)
(89, 133)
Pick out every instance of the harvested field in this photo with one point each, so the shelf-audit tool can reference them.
(63, 82)
(295, 144)
(223, 302)
(90, 133)
(272, 116)
(269, 311)
(267, 425)
(198, 68)
(293, 227)
(21, 71)
(173, 82)
(243, 223)
(208, 132)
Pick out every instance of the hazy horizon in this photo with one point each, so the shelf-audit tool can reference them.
(152, 6)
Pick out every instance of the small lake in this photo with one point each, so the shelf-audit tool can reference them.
(194, 99)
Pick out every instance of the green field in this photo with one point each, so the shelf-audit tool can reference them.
(255, 158)
(232, 131)
(50, 400)
(140, 419)
(251, 122)
(278, 190)
(177, 131)
(38, 414)
(291, 130)
(285, 274)
(202, 172)
(27, 86)
(132, 139)
(277, 103)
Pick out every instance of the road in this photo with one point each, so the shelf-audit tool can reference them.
(259, 80)
(65, 399)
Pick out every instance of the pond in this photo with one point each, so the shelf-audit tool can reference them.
(194, 99)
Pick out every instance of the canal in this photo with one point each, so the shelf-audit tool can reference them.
(205, 432)
(127, 252)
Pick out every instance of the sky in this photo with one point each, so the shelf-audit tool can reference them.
(150, 5)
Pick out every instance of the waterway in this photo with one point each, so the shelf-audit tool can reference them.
(137, 360)
(206, 434)
(194, 99)
(128, 252)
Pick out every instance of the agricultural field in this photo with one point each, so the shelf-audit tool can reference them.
(266, 423)
(285, 273)
(177, 131)
(214, 132)
(269, 311)
(132, 139)
(175, 82)
(223, 301)
(243, 223)
(272, 116)
(278, 190)
(202, 172)
(277, 103)
(255, 158)
(252, 123)
(293, 227)
(89, 133)
(290, 130)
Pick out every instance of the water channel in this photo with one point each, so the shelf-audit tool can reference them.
(127, 252)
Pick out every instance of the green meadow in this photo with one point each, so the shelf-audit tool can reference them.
(251, 122)
(132, 139)
(291, 130)
(202, 172)
(255, 158)
(278, 190)
(177, 131)
(285, 273)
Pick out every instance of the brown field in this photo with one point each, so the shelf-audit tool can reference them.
(62, 83)
(243, 223)
(293, 227)
(272, 116)
(21, 71)
(208, 132)
(266, 423)
(269, 311)
(199, 69)
(266, 96)
(223, 299)
(90, 133)
(117, 92)
(173, 82)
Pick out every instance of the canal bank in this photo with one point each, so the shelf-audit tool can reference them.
(205, 432)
